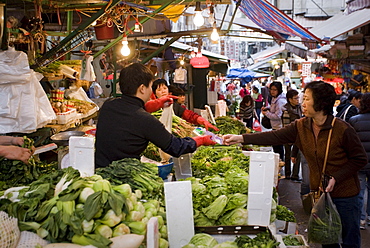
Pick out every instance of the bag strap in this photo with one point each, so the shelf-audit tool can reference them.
(344, 114)
(327, 146)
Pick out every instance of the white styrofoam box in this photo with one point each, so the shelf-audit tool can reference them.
(285, 227)
(179, 213)
(261, 181)
(81, 154)
(182, 166)
(276, 163)
(279, 238)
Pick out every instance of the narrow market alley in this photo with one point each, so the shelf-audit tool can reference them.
(290, 197)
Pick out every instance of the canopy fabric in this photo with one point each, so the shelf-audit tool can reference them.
(273, 20)
(341, 23)
(240, 73)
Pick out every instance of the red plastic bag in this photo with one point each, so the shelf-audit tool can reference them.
(257, 126)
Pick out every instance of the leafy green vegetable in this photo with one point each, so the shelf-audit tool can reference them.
(283, 213)
(203, 240)
(290, 240)
(262, 240)
(237, 200)
(216, 208)
(229, 125)
(238, 216)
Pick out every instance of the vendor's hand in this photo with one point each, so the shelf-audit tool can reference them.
(231, 139)
(16, 153)
(204, 140)
(154, 105)
(18, 141)
(206, 124)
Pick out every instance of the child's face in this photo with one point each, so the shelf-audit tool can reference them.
(181, 99)
(162, 90)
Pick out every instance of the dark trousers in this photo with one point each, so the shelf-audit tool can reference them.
(349, 211)
(288, 163)
(248, 122)
(279, 149)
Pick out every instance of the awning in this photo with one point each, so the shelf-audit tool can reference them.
(183, 47)
(273, 20)
(341, 23)
(296, 47)
(267, 53)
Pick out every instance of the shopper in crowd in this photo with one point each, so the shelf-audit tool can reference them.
(291, 112)
(160, 90)
(246, 110)
(258, 101)
(11, 148)
(244, 91)
(360, 123)
(124, 128)
(265, 94)
(275, 111)
(346, 154)
(350, 107)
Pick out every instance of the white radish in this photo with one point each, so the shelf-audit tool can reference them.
(62, 245)
(127, 241)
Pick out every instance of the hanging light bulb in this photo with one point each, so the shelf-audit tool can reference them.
(125, 50)
(94, 23)
(198, 18)
(182, 62)
(215, 36)
(137, 27)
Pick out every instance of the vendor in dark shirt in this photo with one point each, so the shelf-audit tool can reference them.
(124, 127)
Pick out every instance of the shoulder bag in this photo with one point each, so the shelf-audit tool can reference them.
(309, 200)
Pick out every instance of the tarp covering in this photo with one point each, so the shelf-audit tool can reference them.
(241, 73)
(273, 20)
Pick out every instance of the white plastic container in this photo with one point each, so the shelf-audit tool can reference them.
(179, 213)
(182, 166)
(81, 155)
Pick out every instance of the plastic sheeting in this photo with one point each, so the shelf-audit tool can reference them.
(24, 105)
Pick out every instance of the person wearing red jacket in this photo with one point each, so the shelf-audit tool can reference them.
(162, 94)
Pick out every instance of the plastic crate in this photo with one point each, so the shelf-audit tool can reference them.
(300, 238)
(182, 166)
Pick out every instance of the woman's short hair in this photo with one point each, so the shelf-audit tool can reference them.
(157, 83)
(132, 76)
(278, 86)
(324, 96)
(353, 94)
(365, 103)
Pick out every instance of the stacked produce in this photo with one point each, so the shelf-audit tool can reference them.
(209, 161)
(16, 173)
(262, 240)
(63, 207)
(229, 125)
(140, 176)
(180, 127)
(62, 106)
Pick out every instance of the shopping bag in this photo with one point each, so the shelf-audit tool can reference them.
(266, 123)
(257, 126)
(324, 225)
(309, 200)
(166, 119)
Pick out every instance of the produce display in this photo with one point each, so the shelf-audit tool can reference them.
(229, 125)
(64, 105)
(290, 240)
(262, 240)
(140, 176)
(16, 173)
(152, 152)
(283, 213)
(209, 161)
(63, 207)
(180, 127)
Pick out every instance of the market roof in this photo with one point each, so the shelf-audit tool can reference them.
(341, 23)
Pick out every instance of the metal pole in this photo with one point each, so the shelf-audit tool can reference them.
(69, 28)
(232, 18)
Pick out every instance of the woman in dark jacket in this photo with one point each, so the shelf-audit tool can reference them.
(350, 107)
(361, 125)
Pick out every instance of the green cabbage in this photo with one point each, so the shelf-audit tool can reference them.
(237, 180)
(227, 244)
(237, 200)
(217, 207)
(201, 220)
(237, 216)
(203, 240)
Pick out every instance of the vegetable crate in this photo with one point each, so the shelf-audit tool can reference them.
(66, 117)
(229, 233)
(300, 238)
